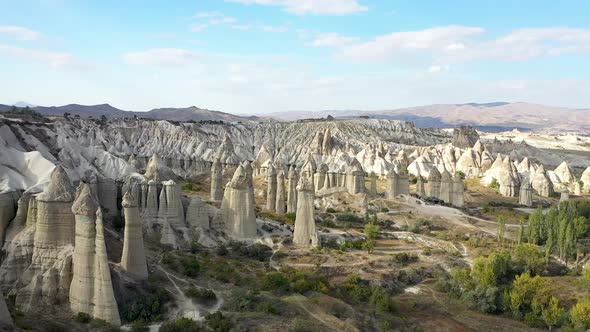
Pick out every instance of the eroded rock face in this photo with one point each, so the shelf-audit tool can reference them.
(420, 191)
(458, 191)
(280, 204)
(171, 218)
(238, 205)
(6, 323)
(446, 186)
(91, 290)
(465, 137)
(216, 181)
(356, 178)
(585, 178)
(565, 194)
(292, 190)
(271, 190)
(158, 171)
(8, 208)
(47, 279)
(305, 234)
(434, 183)
(541, 183)
(526, 193)
(133, 258)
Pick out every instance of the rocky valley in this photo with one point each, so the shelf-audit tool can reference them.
(328, 224)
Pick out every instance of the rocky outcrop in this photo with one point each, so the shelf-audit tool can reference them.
(541, 183)
(292, 190)
(392, 185)
(356, 178)
(526, 193)
(446, 186)
(216, 181)
(171, 216)
(280, 204)
(157, 170)
(373, 187)
(133, 259)
(458, 191)
(465, 137)
(585, 178)
(434, 179)
(6, 323)
(420, 191)
(91, 290)
(238, 205)
(271, 189)
(47, 279)
(107, 196)
(305, 234)
(564, 174)
(565, 194)
(8, 207)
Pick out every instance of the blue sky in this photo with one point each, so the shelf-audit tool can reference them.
(257, 56)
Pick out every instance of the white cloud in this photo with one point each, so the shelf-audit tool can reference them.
(162, 57)
(434, 69)
(210, 19)
(198, 27)
(398, 42)
(273, 28)
(316, 7)
(242, 26)
(20, 33)
(332, 40)
(457, 43)
(207, 14)
(58, 60)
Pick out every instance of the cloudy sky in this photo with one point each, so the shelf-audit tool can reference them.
(256, 56)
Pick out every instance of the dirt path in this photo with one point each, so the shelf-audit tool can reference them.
(330, 322)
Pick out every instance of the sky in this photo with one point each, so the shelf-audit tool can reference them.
(263, 56)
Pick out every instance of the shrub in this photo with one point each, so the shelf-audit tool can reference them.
(275, 281)
(384, 210)
(290, 216)
(330, 210)
(257, 251)
(217, 322)
(494, 184)
(349, 217)
(221, 250)
(118, 223)
(83, 318)
(148, 307)
(580, 314)
(201, 294)
(187, 187)
(181, 325)
(301, 325)
(328, 223)
(405, 258)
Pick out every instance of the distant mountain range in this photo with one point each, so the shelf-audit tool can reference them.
(486, 116)
(191, 113)
(495, 116)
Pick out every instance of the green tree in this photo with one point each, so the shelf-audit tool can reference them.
(580, 314)
(501, 230)
(521, 231)
(489, 271)
(529, 257)
(585, 279)
(371, 231)
(536, 220)
(580, 223)
(522, 293)
(552, 312)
